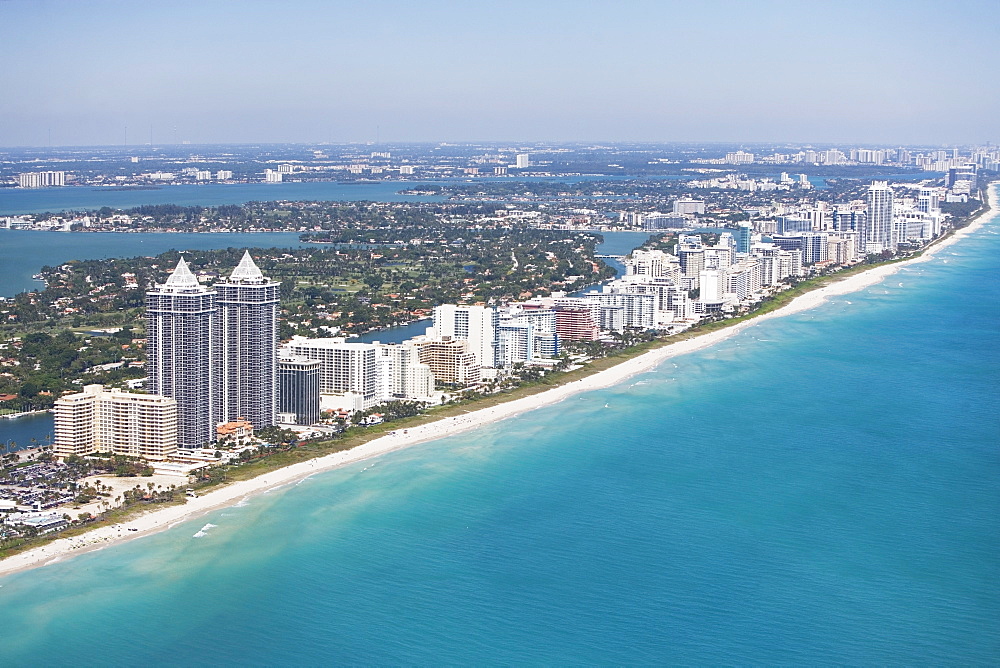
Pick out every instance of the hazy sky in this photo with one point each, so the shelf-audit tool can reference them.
(312, 71)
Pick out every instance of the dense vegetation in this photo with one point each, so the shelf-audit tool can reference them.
(39, 367)
(387, 276)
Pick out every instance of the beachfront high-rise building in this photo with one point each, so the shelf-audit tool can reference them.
(651, 264)
(347, 368)
(298, 389)
(248, 309)
(214, 350)
(877, 231)
(449, 360)
(929, 200)
(691, 257)
(99, 420)
(184, 358)
(475, 324)
(577, 319)
(401, 374)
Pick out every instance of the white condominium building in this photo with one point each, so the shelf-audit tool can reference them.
(637, 310)
(347, 367)
(743, 279)
(669, 298)
(41, 179)
(712, 282)
(652, 264)
(526, 334)
(877, 232)
(122, 423)
(475, 324)
(776, 264)
(401, 373)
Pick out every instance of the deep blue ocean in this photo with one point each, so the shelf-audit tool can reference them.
(823, 488)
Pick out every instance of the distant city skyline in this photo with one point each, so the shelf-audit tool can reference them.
(111, 73)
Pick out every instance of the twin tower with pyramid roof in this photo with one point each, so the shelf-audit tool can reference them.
(214, 349)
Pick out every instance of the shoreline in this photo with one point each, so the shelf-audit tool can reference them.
(14, 416)
(165, 518)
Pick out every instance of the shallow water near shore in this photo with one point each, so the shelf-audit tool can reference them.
(820, 488)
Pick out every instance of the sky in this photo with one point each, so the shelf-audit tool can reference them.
(107, 72)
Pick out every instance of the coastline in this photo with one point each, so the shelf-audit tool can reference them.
(14, 416)
(164, 518)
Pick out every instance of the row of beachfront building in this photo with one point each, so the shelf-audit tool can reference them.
(215, 361)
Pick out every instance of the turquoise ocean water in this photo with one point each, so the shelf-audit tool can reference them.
(821, 489)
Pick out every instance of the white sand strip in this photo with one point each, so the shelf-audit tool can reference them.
(231, 494)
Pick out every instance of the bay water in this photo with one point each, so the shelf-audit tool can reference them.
(14, 201)
(822, 488)
(24, 252)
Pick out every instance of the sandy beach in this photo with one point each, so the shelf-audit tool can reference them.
(160, 519)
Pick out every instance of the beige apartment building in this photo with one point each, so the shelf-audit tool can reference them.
(449, 360)
(100, 420)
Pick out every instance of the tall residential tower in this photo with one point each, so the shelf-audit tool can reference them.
(183, 353)
(214, 350)
(248, 305)
(877, 230)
